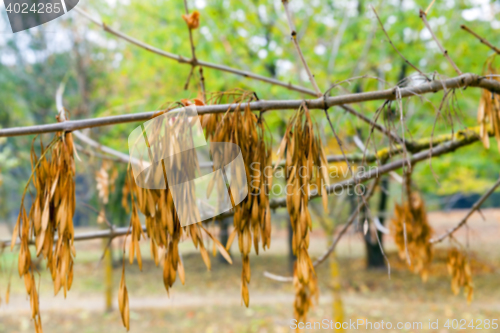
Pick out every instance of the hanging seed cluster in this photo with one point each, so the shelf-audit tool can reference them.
(252, 217)
(461, 275)
(488, 113)
(51, 214)
(305, 158)
(412, 234)
(163, 227)
(304, 296)
(105, 182)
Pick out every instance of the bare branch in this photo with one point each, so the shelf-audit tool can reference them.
(124, 158)
(381, 154)
(194, 61)
(366, 49)
(423, 16)
(95, 154)
(397, 51)
(367, 120)
(346, 226)
(336, 44)
(182, 60)
(278, 278)
(481, 39)
(463, 80)
(429, 7)
(474, 208)
(293, 34)
(462, 139)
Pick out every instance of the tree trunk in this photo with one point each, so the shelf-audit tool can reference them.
(224, 235)
(291, 256)
(374, 255)
(108, 273)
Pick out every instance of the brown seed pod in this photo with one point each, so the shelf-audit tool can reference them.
(488, 113)
(412, 217)
(304, 296)
(51, 212)
(163, 227)
(123, 302)
(105, 181)
(252, 217)
(304, 158)
(460, 271)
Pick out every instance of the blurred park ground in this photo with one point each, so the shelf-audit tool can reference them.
(210, 301)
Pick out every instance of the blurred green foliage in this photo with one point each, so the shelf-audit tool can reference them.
(107, 76)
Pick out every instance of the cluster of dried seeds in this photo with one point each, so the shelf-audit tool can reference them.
(412, 234)
(105, 181)
(304, 295)
(461, 275)
(252, 217)
(305, 158)
(488, 113)
(163, 227)
(51, 214)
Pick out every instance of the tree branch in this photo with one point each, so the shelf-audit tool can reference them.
(182, 60)
(463, 139)
(481, 39)
(464, 80)
(194, 61)
(397, 51)
(293, 34)
(474, 208)
(423, 16)
(367, 120)
(346, 226)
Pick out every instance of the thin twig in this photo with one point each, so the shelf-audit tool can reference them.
(401, 119)
(97, 213)
(336, 44)
(183, 60)
(429, 7)
(423, 16)
(366, 48)
(481, 39)
(331, 248)
(277, 277)
(95, 154)
(395, 49)
(376, 126)
(194, 61)
(186, 85)
(293, 34)
(474, 208)
(346, 226)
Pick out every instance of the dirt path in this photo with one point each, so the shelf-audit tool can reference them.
(95, 303)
